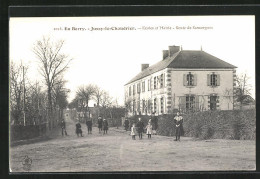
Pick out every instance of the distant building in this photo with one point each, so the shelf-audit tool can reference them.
(184, 80)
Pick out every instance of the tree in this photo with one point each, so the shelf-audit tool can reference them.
(128, 106)
(60, 95)
(17, 90)
(53, 63)
(242, 89)
(106, 100)
(84, 94)
(98, 92)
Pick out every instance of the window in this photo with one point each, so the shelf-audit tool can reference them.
(138, 88)
(149, 85)
(161, 81)
(189, 79)
(154, 83)
(162, 105)
(133, 89)
(213, 79)
(143, 86)
(130, 91)
(154, 105)
(213, 102)
(190, 102)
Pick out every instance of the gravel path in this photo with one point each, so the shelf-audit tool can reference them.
(116, 151)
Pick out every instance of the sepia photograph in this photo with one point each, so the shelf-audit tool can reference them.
(132, 94)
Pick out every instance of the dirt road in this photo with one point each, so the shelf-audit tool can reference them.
(116, 151)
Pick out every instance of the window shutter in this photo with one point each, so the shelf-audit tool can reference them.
(218, 79)
(208, 79)
(197, 105)
(183, 102)
(184, 80)
(164, 80)
(195, 79)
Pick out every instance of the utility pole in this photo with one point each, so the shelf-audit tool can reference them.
(23, 99)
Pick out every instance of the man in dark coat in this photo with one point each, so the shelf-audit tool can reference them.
(126, 124)
(140, 128)
(105, 126)
(78, 129)
(178, 120)
(89, 125)
(63, 127)
(100, 121)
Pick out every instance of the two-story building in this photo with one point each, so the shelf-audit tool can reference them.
(184, 80)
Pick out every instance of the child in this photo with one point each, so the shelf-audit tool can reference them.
(105, 126)
(78, 129)
(149, 128)
(133, 131)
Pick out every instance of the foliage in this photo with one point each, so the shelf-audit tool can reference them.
(233, 124)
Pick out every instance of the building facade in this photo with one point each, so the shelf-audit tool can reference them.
(184, 80)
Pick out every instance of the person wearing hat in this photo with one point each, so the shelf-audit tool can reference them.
(126, 124)
(100, 121)
(178, 120)
(89, 125)
(140, 128)
(78, 129)
(105, 126)
(154, 122)
(63, 127)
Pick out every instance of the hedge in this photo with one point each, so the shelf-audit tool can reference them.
(235, 124)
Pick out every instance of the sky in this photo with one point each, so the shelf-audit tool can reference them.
(110, 58)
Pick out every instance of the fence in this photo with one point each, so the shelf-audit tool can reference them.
(35, 127)
(20, 132)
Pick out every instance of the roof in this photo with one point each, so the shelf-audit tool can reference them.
(185, 59)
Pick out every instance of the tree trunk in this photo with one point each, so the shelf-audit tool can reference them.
(50, 116)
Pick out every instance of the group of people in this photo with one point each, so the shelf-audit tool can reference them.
(152, 126)
(102, 125)
(137, 128)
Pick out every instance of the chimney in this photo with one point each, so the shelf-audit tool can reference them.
(144, 66)
(173, 49)
(165, 54)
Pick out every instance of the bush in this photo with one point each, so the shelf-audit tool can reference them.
(236, 124)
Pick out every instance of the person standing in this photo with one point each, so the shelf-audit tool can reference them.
(78, 129)
(178, 120)
(105, 126)
(100, 121)
(126, 124)
(140, 128)
(149, 129)
(154, 122)
(133, 131)
(89, 125)
(63, 127)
